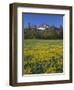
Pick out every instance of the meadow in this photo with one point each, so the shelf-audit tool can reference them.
(43, 56)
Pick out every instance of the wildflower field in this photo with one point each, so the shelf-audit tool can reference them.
(43, 56)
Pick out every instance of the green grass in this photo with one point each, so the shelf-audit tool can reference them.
(43, 56)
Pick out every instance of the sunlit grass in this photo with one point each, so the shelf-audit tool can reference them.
(43, 56)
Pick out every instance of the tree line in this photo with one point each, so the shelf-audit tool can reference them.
(49, 33)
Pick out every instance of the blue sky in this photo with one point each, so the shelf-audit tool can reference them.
(37, 19)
